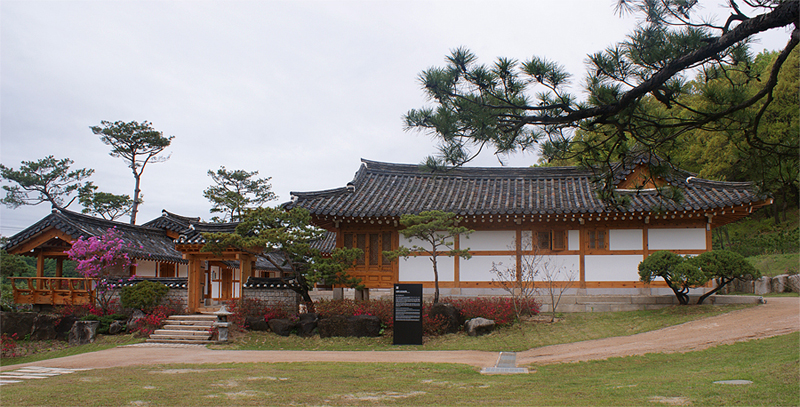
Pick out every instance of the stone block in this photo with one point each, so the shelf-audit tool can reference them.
(256, 323)
(793, 282)
(364, 326)
(83, 332)
(116, 327)
(479, 326)
(605, 299)
(307, 324)
(334, 325)
(762, 286)
(779, 283)
(448, 313)
(49, 327)
(20, 323)
(282, 327)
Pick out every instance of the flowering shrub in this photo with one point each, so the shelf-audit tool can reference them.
(99, 258)
(154, 319)
(8, 343)
(148, 324)
(499, 309)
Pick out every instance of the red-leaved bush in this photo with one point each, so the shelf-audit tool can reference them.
(8, 343)
(81, 310)
(245, 308)
(382, 308)
(154, 319)
(498, 309)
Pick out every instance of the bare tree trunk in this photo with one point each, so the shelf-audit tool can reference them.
(435, 280)
(136, 191)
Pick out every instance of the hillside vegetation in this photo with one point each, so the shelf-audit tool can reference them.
(773, 248)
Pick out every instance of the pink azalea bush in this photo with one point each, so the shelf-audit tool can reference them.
(102, 258)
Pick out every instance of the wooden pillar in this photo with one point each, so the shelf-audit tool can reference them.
(246, 269)
(194, 286)
(39, 268)
(60, 267)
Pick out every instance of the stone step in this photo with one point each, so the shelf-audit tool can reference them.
(187, 327)
(193, 317)
(189, 323)
(182, 341)
(180, 337)
(181, 333)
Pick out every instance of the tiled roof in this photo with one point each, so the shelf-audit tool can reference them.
(171, 221)
(148, 243)
(384, 189)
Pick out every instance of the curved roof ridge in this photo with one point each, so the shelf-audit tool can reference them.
(475, 172)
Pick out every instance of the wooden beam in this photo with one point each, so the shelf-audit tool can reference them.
(40, 239)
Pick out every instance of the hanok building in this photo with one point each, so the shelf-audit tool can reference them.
(166, 249)
(551, 212)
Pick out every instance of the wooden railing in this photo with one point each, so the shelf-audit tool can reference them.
(52, 290)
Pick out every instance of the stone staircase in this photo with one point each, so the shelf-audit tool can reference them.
(186, 329)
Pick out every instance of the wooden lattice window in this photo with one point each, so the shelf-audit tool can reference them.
(551, 240)
(372, 245)
(597, 239)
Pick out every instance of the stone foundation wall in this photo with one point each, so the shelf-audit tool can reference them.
(278, 298)
(765, 285)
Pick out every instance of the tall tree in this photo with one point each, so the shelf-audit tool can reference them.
(104, 204)
(285, 238)
(726, 150)
(44, 180)
(236, 191)
(136, 143)
(512, 106)
(437, 231)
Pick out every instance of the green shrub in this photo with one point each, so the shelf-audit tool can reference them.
(144, 296)
(105, 321)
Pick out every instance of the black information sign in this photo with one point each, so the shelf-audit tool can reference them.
(408, 314)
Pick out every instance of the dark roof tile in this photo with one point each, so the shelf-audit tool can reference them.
(385, 189)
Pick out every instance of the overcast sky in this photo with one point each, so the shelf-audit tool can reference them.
(297, 90)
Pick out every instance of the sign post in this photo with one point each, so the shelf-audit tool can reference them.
(407, 314)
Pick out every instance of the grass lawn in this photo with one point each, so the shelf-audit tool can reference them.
(572, 328)
(773, 365)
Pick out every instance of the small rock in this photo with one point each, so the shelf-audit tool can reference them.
(282, 327)
(256, 324)
(450, 314)
(307, 324)
(83, 332)
(116, 327)
(479, 326)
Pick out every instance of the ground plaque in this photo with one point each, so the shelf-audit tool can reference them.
(408, 314)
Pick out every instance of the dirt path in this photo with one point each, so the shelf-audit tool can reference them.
(779, 316)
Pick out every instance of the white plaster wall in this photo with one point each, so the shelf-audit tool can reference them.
(237, 275)
(677, 239)
(145, 268)
(574, 240)
(625, 239)
(420, 268)
(182, 270)
(612, 267)
(215, 284)
(490, 240)
(560, 268)
(479, 268)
